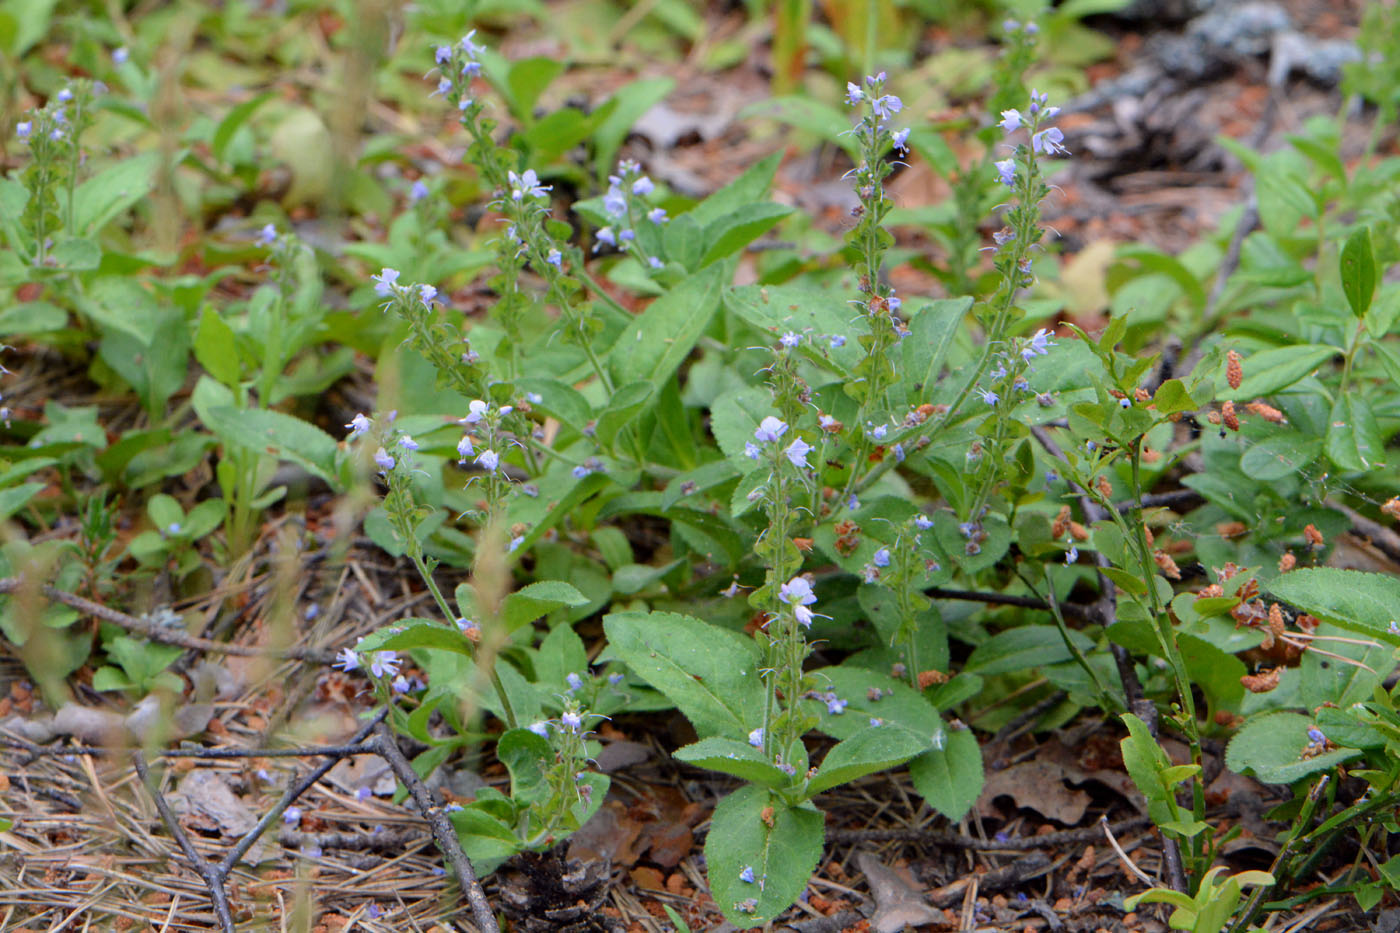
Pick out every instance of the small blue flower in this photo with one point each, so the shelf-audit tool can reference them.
(882, 557)
(426, 294)
(746, 875)
(1048, 142)
(1315, 736)
(383, 460)
(443, 54)
(604, 235)
(64, 96)
(488, 459)
(385, 282)
(384, 664)
(752, 450)
(615, 202)
(655, 262)
(1006, 172)
(468, 628)
(923, 522)
(756, 737)
(555, 259)
(527, 185)
(790, 339)
(470, 47)
(901, 140)
(408, 443)
(879, 432)
(886, 106)
(24, 128)
(120, 56)
(291, 816)
(418, 192)
(770, 429)
(657, 215)
(1090, 446)
(571, 720)
(444, 87)
(837, 341)
(643, 186)
(988, 396)
(835, 705)
(1010, 120)
(1124, 403)
(854, 94)
(347, 660)
(267, 235)
(1072, 555)
(898, 451)
(797, 452)
(852, 503)
(614, 679)
(574, 681)
(797, 591)
(465, 449)
(476, 410)
(540, 729)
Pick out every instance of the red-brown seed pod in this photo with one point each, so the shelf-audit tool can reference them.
(1227, 415)
(931, 677)
(1105, 487)
(1151, 456)
(1313, 536)
(1166, 565)
(1147, 533)
(1234, 372)
(1287, 562)
(1276, 625)
(1213, 417)
(1262, 682)
(1210, 592)
(1142, 395)
(1057, 527)
(1392, 507)
(1268, 412)
(1078, 531)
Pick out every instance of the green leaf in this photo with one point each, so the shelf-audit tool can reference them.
(528, 603)
(823, 120)
(526, 756)
(624, 406)
(813, 312)
(526, 80)
(216, 348)
(684, 242)
(76, 254)
(278, 435)
(1153, 260)
(1359, 601)
(418, 633)
(656, 342)
(632, 101)
(1358, 268)
(1145, 760)
(753, 829)
(738, 228)
(486, 840)
(16, 497)
(710, 673)
(1354, 440)
(1272, 747)
(866, 752)
(733, 418)
(748, 188)
(931, 334)
(1023, 648)
(108, 194)
(233, 120)
(557, 133)
(1283, 455)
(1271, 370)
(731, 756)
(950, 778)
(1172, 397)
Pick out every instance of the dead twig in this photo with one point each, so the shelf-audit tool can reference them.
(443, 831)
(960, 841)
(160, 633)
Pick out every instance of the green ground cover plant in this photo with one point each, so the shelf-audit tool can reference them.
(837, 479)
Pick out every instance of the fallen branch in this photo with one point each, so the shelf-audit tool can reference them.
(443, 830)
(154, 631)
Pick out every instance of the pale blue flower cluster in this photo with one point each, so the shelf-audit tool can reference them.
(798, 594)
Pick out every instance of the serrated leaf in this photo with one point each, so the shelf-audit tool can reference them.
(737, 229)
(656, 342)
(528, 603)
(950, 778)
(814, 313)
(868, 751)
(710, 673)
(731, 756)
(779, 845)
(1356, 600)
(1272, 747)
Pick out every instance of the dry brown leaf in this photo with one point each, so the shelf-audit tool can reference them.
(898, 901)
